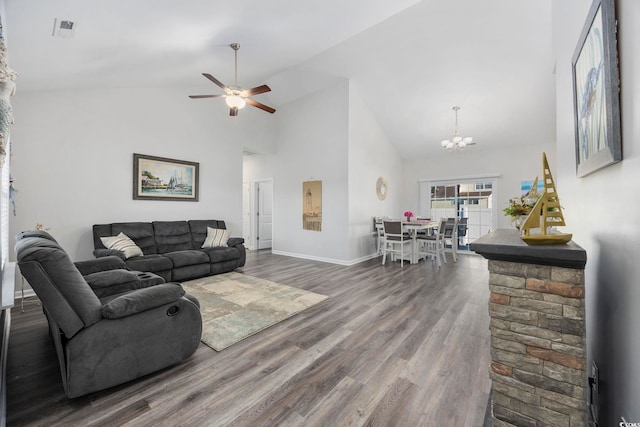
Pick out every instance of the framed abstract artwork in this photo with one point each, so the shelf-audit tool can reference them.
(596, 91)
(159, 178)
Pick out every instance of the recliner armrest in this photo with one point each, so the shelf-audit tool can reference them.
(104, 263)
(99, 253)
(142, 300)
(235, 241)
(113, 282)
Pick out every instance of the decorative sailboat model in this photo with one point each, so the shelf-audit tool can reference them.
(546, 213)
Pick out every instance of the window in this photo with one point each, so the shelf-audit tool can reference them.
(469, 198)
(484, 185)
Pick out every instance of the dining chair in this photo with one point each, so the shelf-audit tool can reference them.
(422, 232)
(379, 230)
(462, 230)
(432, 245)
(451, 237)
(395, 241)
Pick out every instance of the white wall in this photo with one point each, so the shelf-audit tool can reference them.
(601, 211)
(512, 164)
(72, 158)
(371, 156)
(312, 135)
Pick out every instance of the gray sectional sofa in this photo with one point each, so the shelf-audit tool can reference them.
(173, 249)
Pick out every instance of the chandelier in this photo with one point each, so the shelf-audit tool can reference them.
(456, 143)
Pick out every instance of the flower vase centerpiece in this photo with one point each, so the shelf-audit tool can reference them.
(408, 215)
(520, 207)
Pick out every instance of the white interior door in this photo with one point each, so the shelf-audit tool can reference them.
(264, 214)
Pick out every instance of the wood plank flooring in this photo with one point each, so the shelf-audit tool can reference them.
(391, 347)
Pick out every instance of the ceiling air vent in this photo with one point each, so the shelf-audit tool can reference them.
(63, 28)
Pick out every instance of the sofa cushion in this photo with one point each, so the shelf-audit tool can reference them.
(189, 272)
(140, 232)
(199, 229)
(216, 237)
(189, 257)
(155, 263)
(122, 243)
(220, 254)
(172, 236)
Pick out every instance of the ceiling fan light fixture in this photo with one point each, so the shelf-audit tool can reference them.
(235, 101)
(235, 96)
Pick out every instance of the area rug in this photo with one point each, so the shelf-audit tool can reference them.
(235, 306)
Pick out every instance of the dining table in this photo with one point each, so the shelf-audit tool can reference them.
(412, 227)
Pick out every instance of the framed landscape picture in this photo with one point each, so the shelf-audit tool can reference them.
(159, 178)
(596, 90)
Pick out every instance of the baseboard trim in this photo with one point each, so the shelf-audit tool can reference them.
(327, 260)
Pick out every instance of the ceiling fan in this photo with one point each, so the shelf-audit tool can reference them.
(235, 96)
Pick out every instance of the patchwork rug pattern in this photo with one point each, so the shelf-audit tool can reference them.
(235, 306)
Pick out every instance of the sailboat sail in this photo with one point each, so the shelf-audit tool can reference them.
(546, 213)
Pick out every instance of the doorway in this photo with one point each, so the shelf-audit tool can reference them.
(257, 213)
(264, 213)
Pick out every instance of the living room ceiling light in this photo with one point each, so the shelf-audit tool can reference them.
(235, 101)
(457, 142)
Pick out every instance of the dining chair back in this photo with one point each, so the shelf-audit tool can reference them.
(451, 237)
(378, 227)
(395, 241)
(432, 245)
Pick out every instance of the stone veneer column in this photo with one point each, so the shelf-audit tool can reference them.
(538, 336)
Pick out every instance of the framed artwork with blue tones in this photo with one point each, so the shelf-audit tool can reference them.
(596, 89)
(159, 178)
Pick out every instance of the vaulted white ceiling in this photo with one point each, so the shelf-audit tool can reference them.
(411, 61)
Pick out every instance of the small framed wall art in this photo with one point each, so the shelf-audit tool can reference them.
(159, 178)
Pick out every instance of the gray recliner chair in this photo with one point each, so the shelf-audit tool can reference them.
(126, 333)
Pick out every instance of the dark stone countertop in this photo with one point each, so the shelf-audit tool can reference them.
(506, 245)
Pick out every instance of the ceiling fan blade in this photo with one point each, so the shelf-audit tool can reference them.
(257, 90)
(233, 111)
(216, 81)
(204, 96)
(260, 106)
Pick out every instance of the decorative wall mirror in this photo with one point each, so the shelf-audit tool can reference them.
(381, 188)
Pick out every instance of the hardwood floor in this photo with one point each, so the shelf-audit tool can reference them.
(390, 347)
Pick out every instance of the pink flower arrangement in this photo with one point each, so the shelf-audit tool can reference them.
(408, 214)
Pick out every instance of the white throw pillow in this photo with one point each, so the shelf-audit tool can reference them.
(122, 243)
(216, 237)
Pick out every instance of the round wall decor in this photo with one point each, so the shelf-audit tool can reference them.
(381, 188)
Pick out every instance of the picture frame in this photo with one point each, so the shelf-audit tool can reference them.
(312, 205)
(160, 178)
(596, 91)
